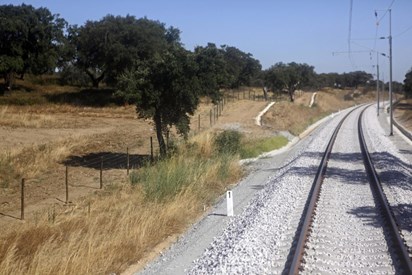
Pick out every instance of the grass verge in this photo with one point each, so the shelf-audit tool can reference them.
(115, 228)
(254, 148)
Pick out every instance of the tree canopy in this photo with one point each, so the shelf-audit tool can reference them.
(407, 83)
(212, 72)
(290, 77)
(30, 41)
(241, 67)
(351, 79)
(164, 87)
(106, 48)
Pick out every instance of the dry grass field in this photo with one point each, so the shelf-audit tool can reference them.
(105, 230)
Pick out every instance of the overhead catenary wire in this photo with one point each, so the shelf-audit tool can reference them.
(403, 32)
(386, 12)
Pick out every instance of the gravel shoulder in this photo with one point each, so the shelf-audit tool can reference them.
(392, 157)
(269, 201)
(257, 186)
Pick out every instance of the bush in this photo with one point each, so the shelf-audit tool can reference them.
(228, 142)
(254, 148)
(70, 75)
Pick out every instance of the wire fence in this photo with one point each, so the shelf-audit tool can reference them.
(99, 164)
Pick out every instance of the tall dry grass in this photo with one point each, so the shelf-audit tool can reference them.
(55, 116)
(115, 228)
(25, 119)
(32, 161)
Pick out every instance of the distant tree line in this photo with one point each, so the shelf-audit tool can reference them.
(408, 84)
(37, 42)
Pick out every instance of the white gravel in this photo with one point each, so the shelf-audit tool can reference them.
(178, 259)
(259, 240)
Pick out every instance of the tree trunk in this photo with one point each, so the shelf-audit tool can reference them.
(9, 80)
(265, 93)
(95, 83)
(292, 94)
(160, 138)
(95, 80)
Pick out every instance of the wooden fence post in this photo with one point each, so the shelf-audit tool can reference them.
(211, 122)
(67, 184)
(22, 200)
(167, 139)
(199, 123)
(151, 149)
(128, 160)
(101, 172)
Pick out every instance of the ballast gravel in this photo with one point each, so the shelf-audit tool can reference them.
(347, 235)
(258, 241)
(392, 158)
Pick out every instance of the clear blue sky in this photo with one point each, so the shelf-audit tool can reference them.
(304, 31)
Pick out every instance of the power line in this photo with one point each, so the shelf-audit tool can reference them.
(386, 11)
(350, 33)
(403, 32)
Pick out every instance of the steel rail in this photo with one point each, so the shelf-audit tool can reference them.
(401, 249)
(376, 186)
(313, 198)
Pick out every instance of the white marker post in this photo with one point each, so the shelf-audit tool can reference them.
(229, 199)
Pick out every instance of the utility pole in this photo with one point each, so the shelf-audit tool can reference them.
(377, 82)
(390, 73)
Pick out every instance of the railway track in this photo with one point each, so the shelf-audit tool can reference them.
(348, 225)
(344, 229)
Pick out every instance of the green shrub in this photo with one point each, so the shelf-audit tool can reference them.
(168, 176)
(228, 142)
